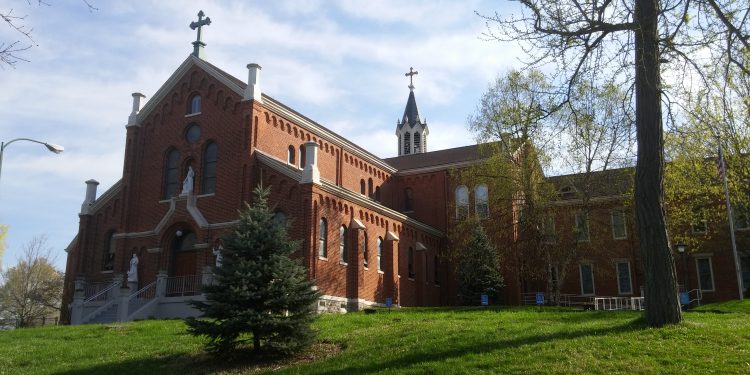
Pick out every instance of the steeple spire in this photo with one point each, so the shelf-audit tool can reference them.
(198, 44)
(411, 130)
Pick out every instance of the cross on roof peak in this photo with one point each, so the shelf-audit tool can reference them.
(198, 44)
(411, 74)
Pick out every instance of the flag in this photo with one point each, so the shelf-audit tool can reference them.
(720, 167)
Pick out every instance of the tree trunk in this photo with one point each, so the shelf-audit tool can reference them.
(662, 303)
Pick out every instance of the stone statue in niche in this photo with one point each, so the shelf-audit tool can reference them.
(187, 184)
(217, 253)
(133, 271)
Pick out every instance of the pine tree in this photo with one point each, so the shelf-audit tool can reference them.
(479, 269)
(259, 291)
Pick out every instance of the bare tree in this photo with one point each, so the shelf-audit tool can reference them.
(10, 51)
(32, 289)
(635, 43)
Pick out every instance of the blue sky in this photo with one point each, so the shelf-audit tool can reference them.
(341, 63)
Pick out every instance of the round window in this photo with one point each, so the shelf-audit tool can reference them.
(193, 133)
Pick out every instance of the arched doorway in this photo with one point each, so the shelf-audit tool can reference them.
(184, 279)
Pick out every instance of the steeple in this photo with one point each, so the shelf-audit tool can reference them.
(411, 130)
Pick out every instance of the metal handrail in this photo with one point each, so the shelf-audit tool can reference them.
(102, 292)
(143, 292)
(183, 285)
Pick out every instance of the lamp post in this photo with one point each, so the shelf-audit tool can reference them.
(681, 248)
(50, 146)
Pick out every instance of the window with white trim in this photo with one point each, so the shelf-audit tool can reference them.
(481, 199)
(548, 229)
(380, 253)
(342, 244)
(699, 224)
(587, 278)
(624, 284)
(462, 202)
(323, 239)
(582, 226)
(705, 273)
(619, 224)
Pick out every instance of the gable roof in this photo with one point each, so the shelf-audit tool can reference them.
(441, 159)
(597, 184)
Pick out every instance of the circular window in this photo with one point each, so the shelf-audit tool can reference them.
(193, 133)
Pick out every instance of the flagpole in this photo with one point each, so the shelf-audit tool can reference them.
(737, 269)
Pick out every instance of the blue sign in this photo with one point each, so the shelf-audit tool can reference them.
(485, 300)
(540, 298)
(388, 302)
(684, 298)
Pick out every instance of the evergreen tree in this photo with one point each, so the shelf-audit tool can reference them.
(479, 269)
(259, 291)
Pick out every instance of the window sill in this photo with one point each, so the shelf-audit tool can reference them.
(381, 272)
(193, 114)
(620, 238)
(343, 264)
(323, 258)
(411, 279)
(366, 268)
(205, 195)
(108, 271)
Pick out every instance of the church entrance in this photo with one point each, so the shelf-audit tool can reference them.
(184, 278)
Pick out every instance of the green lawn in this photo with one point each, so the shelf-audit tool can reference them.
(412, 341)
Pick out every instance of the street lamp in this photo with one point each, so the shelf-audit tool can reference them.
(50, 146)
(682, 248)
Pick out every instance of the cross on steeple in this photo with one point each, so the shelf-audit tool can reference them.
(411, 74)
(198, 44)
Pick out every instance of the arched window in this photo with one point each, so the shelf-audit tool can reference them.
(481, 206)
(462, 202)
(362, 187)
(302, 156)
(365, 253)
(171, 174)
(377, 193)
(195, 105)
(407, 143)
(417, 142)
(342, 244)
(410, 259)
(380, 253)
(290, 155)
(323, 239)
(210, 155)
(408, 200)
(369, 188)
(109, 252)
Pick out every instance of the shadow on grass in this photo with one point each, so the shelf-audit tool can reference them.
(485, 346)
(244, 360)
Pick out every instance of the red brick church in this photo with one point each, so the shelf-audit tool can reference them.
(371, 229)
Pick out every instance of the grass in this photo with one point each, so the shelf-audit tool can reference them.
(715, 339)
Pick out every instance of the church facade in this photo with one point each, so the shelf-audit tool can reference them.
(196, 150)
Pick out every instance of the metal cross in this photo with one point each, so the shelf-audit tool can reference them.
(201, 22)
(411, 74)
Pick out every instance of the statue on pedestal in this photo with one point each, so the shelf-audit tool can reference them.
(187, 184)
(133, 271)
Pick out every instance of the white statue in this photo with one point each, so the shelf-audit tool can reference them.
(133, 271)
(187, 184)
(217, 254)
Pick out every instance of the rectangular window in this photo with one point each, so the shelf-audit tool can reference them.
(624, 285)
(619, 227)
(705, 274)
(587, 279)
(582, 226)
(699, 222)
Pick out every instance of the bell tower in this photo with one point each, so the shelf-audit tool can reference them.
(411, 131)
